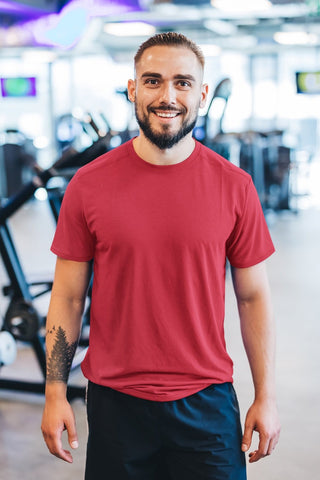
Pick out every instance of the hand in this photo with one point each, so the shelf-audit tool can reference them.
(263, 418)
(57, 417)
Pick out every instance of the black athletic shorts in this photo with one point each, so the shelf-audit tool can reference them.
(195, 438)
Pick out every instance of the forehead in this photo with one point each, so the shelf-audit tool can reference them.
(169, 61)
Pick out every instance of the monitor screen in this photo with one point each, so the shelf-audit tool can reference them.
(18, 87)
(308, 82)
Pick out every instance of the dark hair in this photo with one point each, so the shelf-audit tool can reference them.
(169, 39)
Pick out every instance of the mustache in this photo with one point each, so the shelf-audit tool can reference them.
(166, 108)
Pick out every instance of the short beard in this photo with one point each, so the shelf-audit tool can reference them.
(164, 140)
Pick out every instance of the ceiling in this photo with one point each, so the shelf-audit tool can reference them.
(205, 22)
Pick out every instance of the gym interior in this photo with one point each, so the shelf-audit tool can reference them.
(64, 67)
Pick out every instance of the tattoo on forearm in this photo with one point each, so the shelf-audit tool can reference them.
(61, 356)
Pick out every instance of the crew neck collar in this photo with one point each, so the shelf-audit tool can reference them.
(171, 167)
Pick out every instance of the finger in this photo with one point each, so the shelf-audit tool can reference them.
(72, 434)
(63, 455)
(54, 445)
(253, 456)
(247, 438)
(272, 444)
(262, 450)
(59, 452)
(267, 444)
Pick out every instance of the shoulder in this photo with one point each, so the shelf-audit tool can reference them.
(103, 163)
(223, 167)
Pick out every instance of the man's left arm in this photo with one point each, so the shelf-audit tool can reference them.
(258, 332)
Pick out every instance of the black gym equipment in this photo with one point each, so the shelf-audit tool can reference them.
(21, 319)
(203, 130)
(261, 154)
(17, 161)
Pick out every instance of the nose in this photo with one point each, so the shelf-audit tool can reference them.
(167, 94)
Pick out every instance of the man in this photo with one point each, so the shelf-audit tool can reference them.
(158, 216)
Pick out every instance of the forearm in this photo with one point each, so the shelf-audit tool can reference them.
(62, 334)
(258, 332)
(63, 326)
(257, 325)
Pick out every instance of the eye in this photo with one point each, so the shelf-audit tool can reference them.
(151, 81)
(184, 84)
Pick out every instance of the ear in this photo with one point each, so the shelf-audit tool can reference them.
(204, 95)
(131, 90)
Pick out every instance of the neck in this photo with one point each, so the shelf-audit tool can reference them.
(152, 154)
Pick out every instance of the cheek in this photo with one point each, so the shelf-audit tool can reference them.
(190, 102)
(193, 108)
(146, 96)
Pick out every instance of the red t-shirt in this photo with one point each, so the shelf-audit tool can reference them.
(159, 237)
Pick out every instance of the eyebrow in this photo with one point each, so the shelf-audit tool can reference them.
(185, 77)
(176, 77)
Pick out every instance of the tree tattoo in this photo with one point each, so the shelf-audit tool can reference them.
(60, 360)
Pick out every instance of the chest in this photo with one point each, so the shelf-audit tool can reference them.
(144, 211)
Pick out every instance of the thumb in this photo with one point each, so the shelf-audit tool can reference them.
(247, 437)
(72, 434)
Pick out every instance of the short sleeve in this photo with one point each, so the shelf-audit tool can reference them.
(250, 241)
(72, 239)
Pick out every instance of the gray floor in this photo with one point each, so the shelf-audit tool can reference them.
(294, 274)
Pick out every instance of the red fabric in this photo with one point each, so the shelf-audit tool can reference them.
(159, 236)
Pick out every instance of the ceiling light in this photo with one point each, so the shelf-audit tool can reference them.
(296, 38)
(14, 36)
(210, 50)
(245, 5)
(39, 56)
(128, 29)
(220, 27)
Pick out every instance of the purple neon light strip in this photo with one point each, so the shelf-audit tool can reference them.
(39, 20)
(95, 7)
(18, 8)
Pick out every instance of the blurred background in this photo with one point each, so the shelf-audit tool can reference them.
(64, 67)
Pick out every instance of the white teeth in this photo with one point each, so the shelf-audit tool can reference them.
(167, 115)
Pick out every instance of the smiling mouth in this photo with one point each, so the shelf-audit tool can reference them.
(165, 111)
(166, 114)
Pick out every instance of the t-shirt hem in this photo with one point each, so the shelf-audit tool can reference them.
(165, 397)
(255, 261)
(67, 256)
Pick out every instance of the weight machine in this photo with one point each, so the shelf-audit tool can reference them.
(261, 154)
(22, 320)
(17, 160)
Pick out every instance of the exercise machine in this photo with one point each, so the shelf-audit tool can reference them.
(261, 154)
(22, 319)
(17, 160)
(209, 127)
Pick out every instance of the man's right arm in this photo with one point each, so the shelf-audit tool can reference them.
(63, 326)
